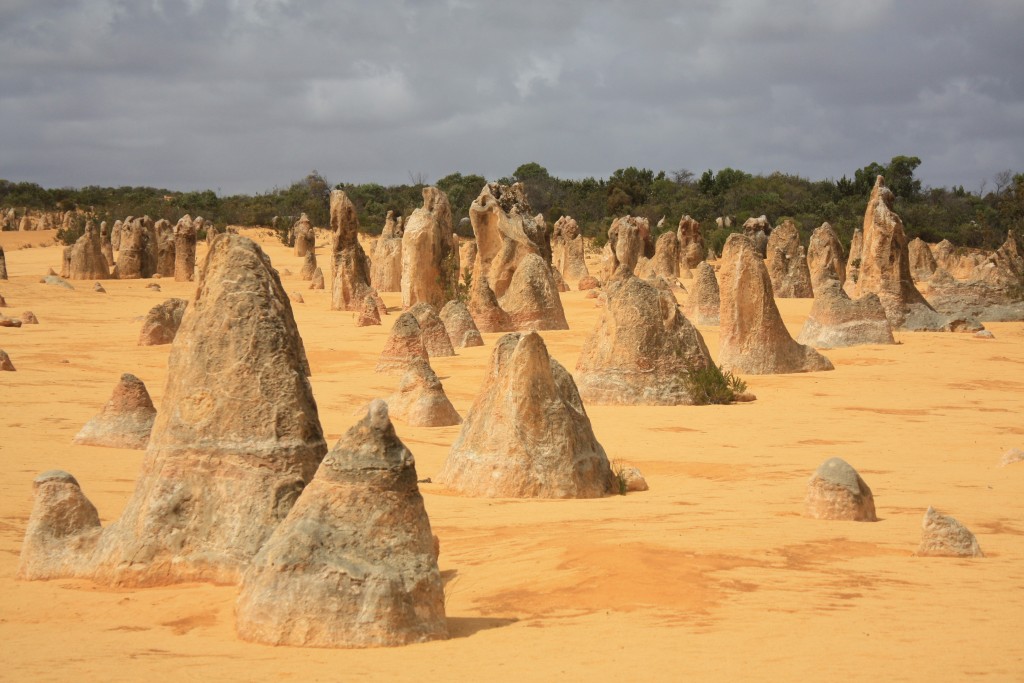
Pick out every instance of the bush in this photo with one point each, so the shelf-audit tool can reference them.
(711, 385)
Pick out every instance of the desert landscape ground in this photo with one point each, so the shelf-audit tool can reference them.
(714, 573)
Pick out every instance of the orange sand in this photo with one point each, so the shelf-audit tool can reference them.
(712, 574)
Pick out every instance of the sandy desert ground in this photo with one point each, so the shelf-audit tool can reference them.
(713, 574)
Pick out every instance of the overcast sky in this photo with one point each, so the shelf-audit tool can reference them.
(248, 95)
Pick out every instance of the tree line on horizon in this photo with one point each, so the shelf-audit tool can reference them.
(970, 219)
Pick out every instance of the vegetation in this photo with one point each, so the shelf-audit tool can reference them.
(711, 385)
(971, 219)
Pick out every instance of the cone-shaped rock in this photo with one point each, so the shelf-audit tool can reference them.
(885, 266)
(787, 266)
(432, 331)
(87, 259)
(234, 444)
(459, 324)
(753, 338)
(316, 281)
(369, 314)
(943, 536)
(386, 266)
(430, 253)
(5, 362)
(836, 320)
(161, 324)
(641, 349)
(483, 306)
(527, 434)
(403, 346)
(29, 318)
(308, 265)
(61, 517)
(691, 243)
(184, 249)
(922, 263)
(353, 564)
(666, 256)
(420, 400)
(303, 236)
(531, 300)
(836, 491)
(350, 276)
(125, 421)
(704, 301)
(825, 258)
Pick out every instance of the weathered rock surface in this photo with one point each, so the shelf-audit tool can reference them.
(753, 338)
(588, 282)
(235, 443)
(885, 267)
(185, 237)
(404, 345)
(1014, 455)
(691, 243)
(836, 491)
(629, 238)
(29, 318)
(532, 301)
(991, 290)
(369, 314)
(922, 263)
(943, 536)
(308, 265)
(458, 323)
(162, 322)
(137, 256)
(432, 331)
(5, 362)
(420, 400)
(165, 248)
(786, 263)
(350, 274)
(386, 261)
(567, 249)
(836, 320)
(3, 264)
(704, 301)
(527, 434)
(87, 259)
(641, 349)
(825, 257)
(316, 280)
(303, 236)
(125, 421)
(430, 253)
(666, 256)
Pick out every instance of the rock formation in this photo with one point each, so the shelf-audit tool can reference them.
(825, 258)
(430, 253)
(836, 491)
(666, 256)
(532, 301)
(108, 248)
(316, 280)
(922, 263)
(29, 318)
(641, 349)
(308, 265)
(87, 260)
(704, 301)
(433, 333)
(162, 322)
(404, 345)
(527, 434)
(236, 441)
(350, 272)
(567, 249)
(354, 562)
(369, 314)
(184, 249)
(136, 257)
(629, 238)
(943, 536)
(787, 265)
(753, 338)
(125, 421)
(836, 320)
(303, 236)
(885, 267)
(691, 243)
(115, 235)
(853, 264)
(165, 249)
(462, 331)
(386, 266)
(5, 362)
(420, 400)
(3, 264)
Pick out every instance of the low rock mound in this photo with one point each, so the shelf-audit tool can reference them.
(943, 536)
(753, 338)
(532, 301)
(403, 347)
(836, 491)
(432, 331)
(29, 318)
(836, 320)
(527, 434)
(354, 562)
(641, 350)
(125, 421)
(5, 362)
(459, 324)
(162, 322)
(704, 301)
(421, 401)
(369, 314)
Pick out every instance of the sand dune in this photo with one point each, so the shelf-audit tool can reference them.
(714, 573)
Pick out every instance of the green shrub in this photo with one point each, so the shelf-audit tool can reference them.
(711, 385)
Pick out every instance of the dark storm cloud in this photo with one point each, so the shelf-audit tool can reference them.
(243, 95)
